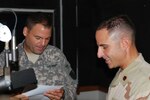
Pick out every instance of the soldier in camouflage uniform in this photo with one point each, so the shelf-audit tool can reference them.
(49, 63)
(116, 44)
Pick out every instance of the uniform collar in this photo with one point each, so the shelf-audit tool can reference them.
(123, 76)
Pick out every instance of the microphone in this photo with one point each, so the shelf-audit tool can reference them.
(13, 53)
(13, 58)
(19, 80)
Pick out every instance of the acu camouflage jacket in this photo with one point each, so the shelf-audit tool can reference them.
(51, 68)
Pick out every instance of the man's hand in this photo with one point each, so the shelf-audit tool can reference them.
(56, 94)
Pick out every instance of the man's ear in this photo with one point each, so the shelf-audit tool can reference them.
(125, 43)
(25, 31)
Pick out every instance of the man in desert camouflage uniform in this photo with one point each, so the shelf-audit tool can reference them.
(116, 44)
(49, 63)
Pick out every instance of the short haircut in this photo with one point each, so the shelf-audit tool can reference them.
(38, 18)
(122, 23)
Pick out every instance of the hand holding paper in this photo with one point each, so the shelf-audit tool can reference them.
(57, 94)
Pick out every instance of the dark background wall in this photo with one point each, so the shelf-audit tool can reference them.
(80, 19)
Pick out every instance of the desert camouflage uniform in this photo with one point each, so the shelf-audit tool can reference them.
(132, 83)
(51, 68)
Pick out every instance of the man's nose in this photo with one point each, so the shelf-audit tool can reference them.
(43, 42)
(100, 52)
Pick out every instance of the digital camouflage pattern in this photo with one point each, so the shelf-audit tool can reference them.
(51, 68)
